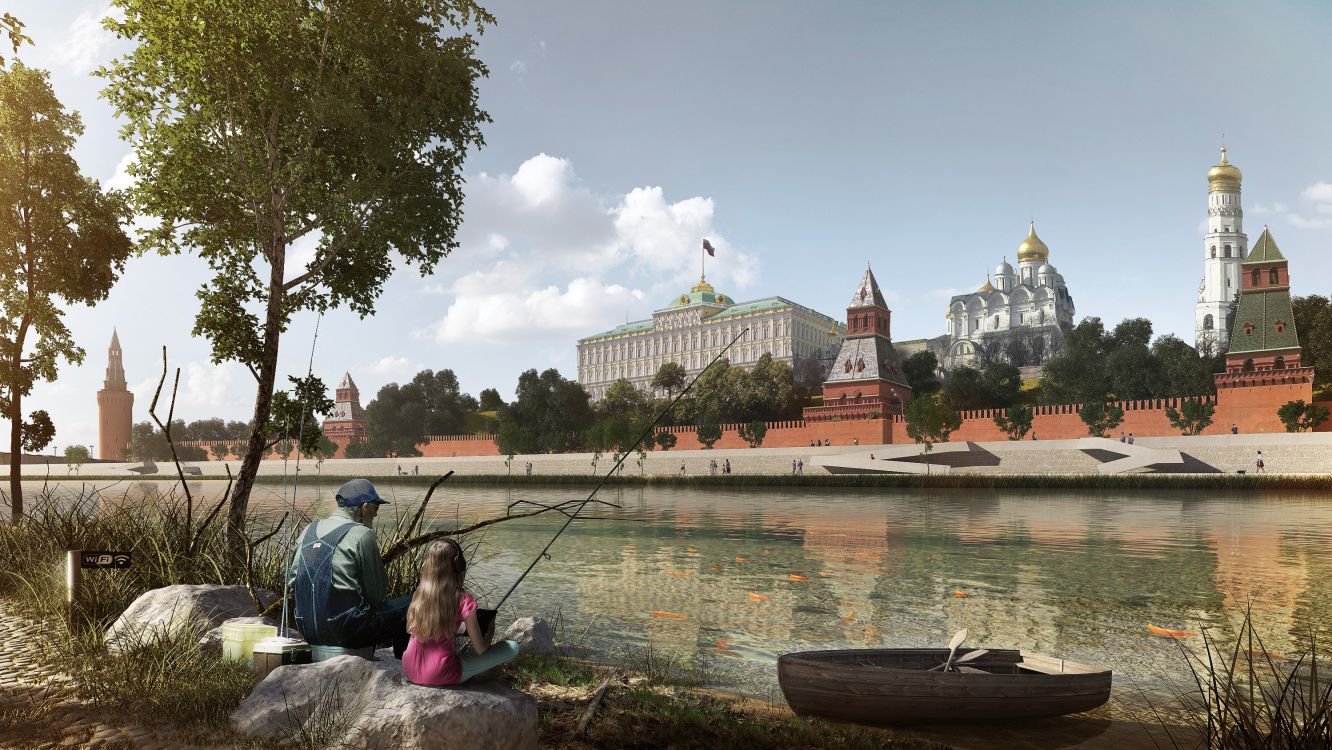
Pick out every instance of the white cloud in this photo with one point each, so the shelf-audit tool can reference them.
(518, 68)
(391, 367)
(1318, 196)
(944, 294)
(1319, 192)
(86, 43)
(490, 307)
(206, 390)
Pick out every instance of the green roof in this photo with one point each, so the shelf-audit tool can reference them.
(635, 327)
(1265, 250)
(1263, 310)
(760, 305)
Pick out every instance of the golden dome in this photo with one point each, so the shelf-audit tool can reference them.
(988, 287)
(702, 286)
(1032, 249)
(1224, 175)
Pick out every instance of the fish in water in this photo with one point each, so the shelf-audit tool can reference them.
(1168, 632)
(678, 574)
(850, 617)
(714, 567)
(691, 549)
(742, 559)
(824, 573)
(669, 615)
(796, 577)
(757, 597)
(722, 645)
(959, 593)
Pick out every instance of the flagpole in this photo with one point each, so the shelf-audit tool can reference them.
(702, 262)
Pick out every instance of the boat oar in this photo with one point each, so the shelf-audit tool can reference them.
(958, 638)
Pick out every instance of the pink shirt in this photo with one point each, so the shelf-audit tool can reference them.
(435, 662)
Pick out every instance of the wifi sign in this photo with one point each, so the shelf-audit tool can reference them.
(92, 559)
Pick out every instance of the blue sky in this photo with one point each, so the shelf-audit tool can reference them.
(803, 141)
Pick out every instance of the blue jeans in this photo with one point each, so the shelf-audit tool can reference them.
(371, 626)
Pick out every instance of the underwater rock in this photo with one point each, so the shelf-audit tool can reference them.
(163, 611)
(367, 704)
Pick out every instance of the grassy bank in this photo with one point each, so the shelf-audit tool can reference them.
(1302, 482)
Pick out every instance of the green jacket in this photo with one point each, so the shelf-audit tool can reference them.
(356, 563)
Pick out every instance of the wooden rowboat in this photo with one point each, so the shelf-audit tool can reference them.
(896, 685)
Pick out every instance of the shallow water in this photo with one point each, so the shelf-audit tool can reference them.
(736, 576)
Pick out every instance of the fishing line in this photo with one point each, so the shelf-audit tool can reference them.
(291, 538)
(648, 431)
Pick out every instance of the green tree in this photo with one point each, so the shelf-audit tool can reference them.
(220, 451)
(13, 28)
(147, 443)
(1129, 367)
(964, 390)
(666, 440)
(670, 377)
(60, 242)
(401, 417)
(1078, 373)
(76, 456)
(753, 432)
(296, 414)
(919, 369)
(342, 124)
(1100, 417)
(1182, 371)
(1002, 384)
(768, 391)
(1313, 326)
(1298, 416)
(1015, 421)
(546, 415)
(1192, 417)
(623, 398)
(489, 400)
(709, 433)
(930, 421)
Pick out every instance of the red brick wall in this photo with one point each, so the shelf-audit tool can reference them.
(443, 446)
(793, 434)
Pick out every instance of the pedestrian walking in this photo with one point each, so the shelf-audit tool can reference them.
(1234, 429)
(727, 470)
(1130, 440)
(793, 462)
(682, 471)
(1121, 437)
(1260, 468)
(800, 466)
(712, 467)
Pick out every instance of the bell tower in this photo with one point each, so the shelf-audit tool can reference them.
(1224, 249)
(115, 407)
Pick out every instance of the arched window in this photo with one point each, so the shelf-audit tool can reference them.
(1256, 277)
(857, 395)
(1273, 277)
(1207, 322)
(1227, 251)
(1279, 364)
(1248, 365)
(996, 322)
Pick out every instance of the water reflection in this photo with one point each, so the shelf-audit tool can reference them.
(740, 576)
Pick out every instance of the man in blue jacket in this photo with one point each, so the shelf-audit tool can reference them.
(338, 581)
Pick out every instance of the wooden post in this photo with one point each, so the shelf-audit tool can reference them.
(73, 579)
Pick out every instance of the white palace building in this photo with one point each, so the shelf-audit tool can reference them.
(695, 326)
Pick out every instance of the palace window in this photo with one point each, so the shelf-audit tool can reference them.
(1273, 277)
(1207, 322)
(1213, 251)
(1257, 277)
(1279, 364)
(1248, 365)
(1227, 251)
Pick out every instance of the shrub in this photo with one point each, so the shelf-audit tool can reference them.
(1100, 417)
(753, 433)
(1015, 421)
(930, 421)
(1193, 416)
(709, 433)
(666, 440)
(1298, 416)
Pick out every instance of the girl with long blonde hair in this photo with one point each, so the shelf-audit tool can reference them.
(438, 607)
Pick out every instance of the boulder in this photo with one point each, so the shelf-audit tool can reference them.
(532, 635)
(366, 703)
(212, 640)
(166, 610)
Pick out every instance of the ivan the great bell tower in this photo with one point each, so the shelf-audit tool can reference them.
(1224, 248)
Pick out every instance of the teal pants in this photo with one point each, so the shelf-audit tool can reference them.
(497, 654)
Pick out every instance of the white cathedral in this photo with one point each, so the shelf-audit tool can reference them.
(1224, 248)
(1019, 317)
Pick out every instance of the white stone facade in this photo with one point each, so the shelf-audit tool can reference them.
(1224, 248)
(698, 325)
(1019, 317)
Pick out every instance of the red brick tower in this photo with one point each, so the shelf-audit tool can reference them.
(115, 407)
(347, 423)
(1263, 368)
(866, 377)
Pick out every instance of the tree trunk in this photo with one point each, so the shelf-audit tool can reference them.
(263, 402)
(16, 426)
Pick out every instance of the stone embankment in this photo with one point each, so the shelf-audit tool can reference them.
(1284, 453)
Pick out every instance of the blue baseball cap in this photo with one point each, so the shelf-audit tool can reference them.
(358, 492)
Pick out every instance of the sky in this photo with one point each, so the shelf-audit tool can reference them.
(804, 141)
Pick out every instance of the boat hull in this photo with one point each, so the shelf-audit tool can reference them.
(894, 686)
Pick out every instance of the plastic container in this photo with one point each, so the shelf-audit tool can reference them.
(239, 639)
(274, 652)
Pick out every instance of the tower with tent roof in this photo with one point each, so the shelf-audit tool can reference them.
(115, 407)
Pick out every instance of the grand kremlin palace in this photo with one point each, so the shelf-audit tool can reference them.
(695, 327)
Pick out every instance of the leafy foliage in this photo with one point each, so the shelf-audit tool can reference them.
(996, 386)
(401, 417)
(296, 414)
(77, 455)
(1100, 417)
(709, 433)
(13, 28)
(666, 440)
(1298, 416)
(546, 416)
(753, 433)
(1192, 417)
(345, 124)
(919, 369)
(489, 400)
(1313, 325)
(670, 377)
(929, 421)
(1015, 421)
(1097, 365)
(62, 243)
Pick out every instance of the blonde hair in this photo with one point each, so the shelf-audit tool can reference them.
(433, 613)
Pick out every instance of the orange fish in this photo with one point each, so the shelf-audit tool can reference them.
(669, 615)
(959, 593)
(1167, 632)
(824, 573)
(795, 577)
(691, 549)
(714, 567)
(757, 597)
(722, 645)
(864, 554)
(850, 617)
(678, 574)
(742, 559)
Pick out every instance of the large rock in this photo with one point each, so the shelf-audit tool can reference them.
(212, 640)
(532, 635)
(366, 703)
(164, 611)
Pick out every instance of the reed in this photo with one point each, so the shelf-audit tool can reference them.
(1245, 697)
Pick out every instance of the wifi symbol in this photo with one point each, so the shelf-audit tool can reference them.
(122, 561)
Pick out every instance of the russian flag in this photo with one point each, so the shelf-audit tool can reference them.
(708, 246)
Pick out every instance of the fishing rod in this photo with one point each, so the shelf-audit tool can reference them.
(648, 431)
(291, 537)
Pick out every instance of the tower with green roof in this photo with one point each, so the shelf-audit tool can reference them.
(1263, 336)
